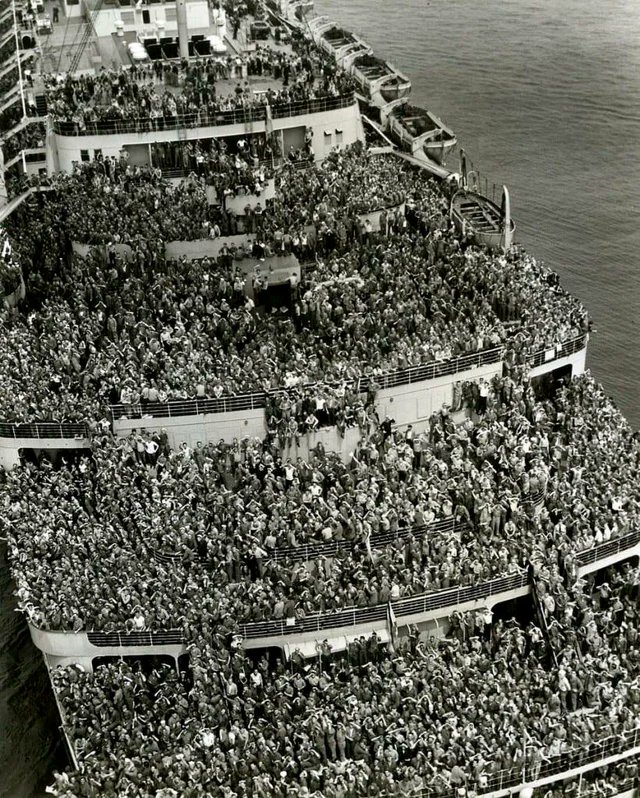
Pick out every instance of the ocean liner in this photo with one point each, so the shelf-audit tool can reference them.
(297, 489)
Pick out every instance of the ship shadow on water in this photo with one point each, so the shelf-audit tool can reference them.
(30, 743)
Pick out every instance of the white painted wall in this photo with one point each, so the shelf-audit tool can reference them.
(205, 428)
(577, 361)
(67, 148)
(413, 404)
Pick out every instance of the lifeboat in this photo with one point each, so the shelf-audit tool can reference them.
(300, 9)
(340, 43)
(418, 131)
(379, 82)
(490, 224)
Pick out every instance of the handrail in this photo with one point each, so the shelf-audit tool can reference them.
(43, 429)
(377, 540)
(330, 619)
(407, 376)
(236, 116)
(190, 407)
(602, 550)
(564, 349)
(411, 605)
(389, 379)
(310, 551)
(110, 127)
(621, 745)
(123, 639)
(452, 597)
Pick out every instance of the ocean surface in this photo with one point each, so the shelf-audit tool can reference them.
(544, 96)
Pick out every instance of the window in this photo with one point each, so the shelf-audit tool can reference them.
(327, 137)
(146, 16)
(128, 17)
(84, 156)
(97, 154)
(338, 135)
(72, 2)
(170, 12)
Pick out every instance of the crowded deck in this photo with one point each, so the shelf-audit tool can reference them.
(310, 286)
(183, 330)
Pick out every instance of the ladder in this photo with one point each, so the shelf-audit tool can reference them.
(87, 34)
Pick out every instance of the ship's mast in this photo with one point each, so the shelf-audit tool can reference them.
(183, 30)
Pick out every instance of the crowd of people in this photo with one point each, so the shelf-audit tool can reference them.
(30, 137)
(162, 91)
(144, 532)
(182, 329)
(422, 715)
(604, 782)
(8, 81)
(132, 535)
(233, 170)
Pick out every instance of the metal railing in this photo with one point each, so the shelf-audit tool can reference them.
(236, 116)
(437, 368)
(389, 379)
(110, 127)
(314, 623)
(312, 106)
(603, 550)
(425, 602)
(41, 429)
(621, 745)
(190, 407)
(225, 404)
(563, 350)
(378, 540)
(453, 597)
(169, 637)
(310, 551)
(353, 616)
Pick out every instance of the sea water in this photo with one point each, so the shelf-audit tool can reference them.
(545, 96)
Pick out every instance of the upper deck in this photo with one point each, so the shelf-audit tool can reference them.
(249, 77)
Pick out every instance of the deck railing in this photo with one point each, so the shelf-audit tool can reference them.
(42, 429)
(603, 550)
(389, 379)
(353, 616)
(190, 407)
(618, 746)
(331, 619)
(251, 401)
(122, 639)
(235, 116)
(312, 551)
(563, 350)
(377, 540)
